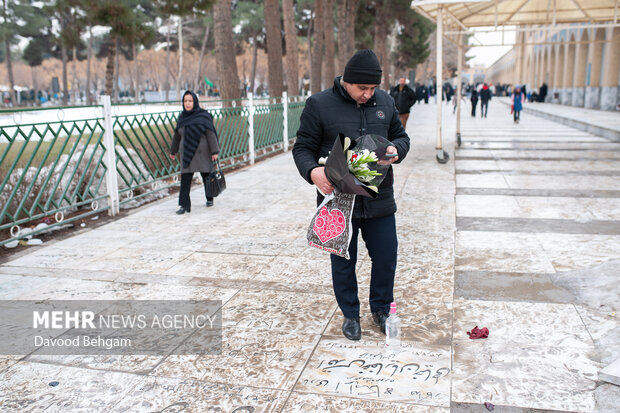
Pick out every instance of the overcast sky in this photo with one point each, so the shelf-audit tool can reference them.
(487, 55)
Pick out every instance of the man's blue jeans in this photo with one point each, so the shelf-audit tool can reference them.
(379, 234)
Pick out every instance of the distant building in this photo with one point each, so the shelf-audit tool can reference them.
(581, 66)
(477, 74)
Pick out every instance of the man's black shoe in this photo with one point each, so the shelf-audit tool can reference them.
(351, 328)
(379, 318)
(182, 210)
(209, 203)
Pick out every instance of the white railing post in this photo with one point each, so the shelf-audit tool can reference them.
(285, 132)
(251, 129)
(111, 175)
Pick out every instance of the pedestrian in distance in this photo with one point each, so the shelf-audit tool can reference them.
(195, 140)
(485, 96)
(404, 98)
(421, 93)
(542, 94)
(474, 102)
(355, 107)
(517, 103)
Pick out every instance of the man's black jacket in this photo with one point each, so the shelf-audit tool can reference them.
(404, 99)
(333, 111)
(485, 95)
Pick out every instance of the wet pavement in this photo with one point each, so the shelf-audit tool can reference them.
(519, 233)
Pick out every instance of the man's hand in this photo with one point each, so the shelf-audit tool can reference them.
(172, 156)
(387, 161)
(214, 157)
(320, 180)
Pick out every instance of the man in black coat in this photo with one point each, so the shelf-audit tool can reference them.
(404, 98)
(474, 101)
(485, 96)
(543, 93)
(354, 106)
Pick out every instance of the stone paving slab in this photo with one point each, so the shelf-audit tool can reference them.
(545, 296)
(599, 122)
(163, 394)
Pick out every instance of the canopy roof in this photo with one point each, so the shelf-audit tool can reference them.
(477, 13)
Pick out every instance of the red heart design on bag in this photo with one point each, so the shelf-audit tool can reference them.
(328, 225)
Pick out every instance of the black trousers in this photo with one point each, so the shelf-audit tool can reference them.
(484, 108)
(379, 234)
(517, 113)
(473, 107)
(186, 184)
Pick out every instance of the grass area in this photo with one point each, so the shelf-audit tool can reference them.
(24, 150)
(142, 138)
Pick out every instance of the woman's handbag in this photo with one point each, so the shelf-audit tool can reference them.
(215, 182)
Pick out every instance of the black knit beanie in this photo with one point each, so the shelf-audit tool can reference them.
(363, 68)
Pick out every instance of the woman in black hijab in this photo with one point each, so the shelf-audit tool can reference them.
(196, 136)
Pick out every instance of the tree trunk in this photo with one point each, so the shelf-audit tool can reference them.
(180, 74)
(9, 69)
(274, 47)
(203, 47)
(380, 42)
(309, 40)
(351, 13)
(35, 85)
(343, 47)
(65, 87)
(167, 83)
(137, 70)
(317, 50)
(328, 31)
(75, 87)
(292, 59)
(254, 59)
(89, 98)
(109, 68)
(9, 63)
(117, 63)
(227, 77)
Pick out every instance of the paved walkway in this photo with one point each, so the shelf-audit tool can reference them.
(598, 122)
(519, 232)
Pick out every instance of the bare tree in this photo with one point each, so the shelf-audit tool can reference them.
(274, 47)
(226, 64)
(292, 59)
(328, 31)
(317, 50)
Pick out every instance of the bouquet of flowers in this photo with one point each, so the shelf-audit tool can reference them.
(353, 167)
(358, 165)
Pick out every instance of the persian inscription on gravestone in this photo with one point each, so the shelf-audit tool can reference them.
(413, 375)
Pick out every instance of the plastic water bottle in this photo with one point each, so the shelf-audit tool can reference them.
(392, 331)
